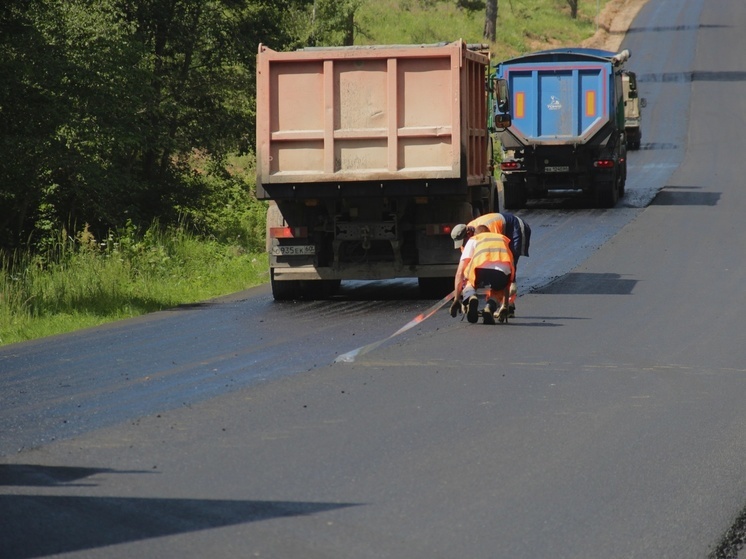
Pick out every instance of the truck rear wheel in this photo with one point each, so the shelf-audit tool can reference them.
(435, 288)
(515, 194)
(303, 289)
(606, 194)
(319, 289)
(284, 290)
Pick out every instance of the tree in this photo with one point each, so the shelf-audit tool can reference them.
(573, 8)
(490, 21)
(106, 105)
(103, 105)
(28, 113)
(332, 22)
(470, 5)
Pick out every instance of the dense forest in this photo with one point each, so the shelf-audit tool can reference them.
(118, 113)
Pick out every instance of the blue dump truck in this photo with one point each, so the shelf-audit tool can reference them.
(563, 130)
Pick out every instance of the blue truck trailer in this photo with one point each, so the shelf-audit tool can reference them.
(563, 131)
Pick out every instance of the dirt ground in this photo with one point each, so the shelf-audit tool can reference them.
(613, 22)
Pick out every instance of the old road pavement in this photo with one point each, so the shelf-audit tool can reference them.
(606, 420)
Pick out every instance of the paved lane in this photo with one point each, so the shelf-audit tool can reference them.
(606, 420)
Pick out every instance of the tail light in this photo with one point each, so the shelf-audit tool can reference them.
(438, 229)
(288, 232)
(604, 164)
(510, 165)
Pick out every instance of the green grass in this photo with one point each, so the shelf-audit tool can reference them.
(523, 25)
(87, 282)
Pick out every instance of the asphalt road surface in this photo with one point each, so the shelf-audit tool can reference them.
(606, 420)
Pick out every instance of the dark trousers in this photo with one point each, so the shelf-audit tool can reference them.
(494, 279)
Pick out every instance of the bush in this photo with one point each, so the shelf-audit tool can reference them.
(83, 281)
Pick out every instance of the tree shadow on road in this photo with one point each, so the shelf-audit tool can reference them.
(42, 525)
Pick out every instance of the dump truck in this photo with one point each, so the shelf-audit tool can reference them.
(633, 105)
(567, 126)
(368, 156)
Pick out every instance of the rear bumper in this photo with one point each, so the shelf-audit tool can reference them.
(375, 272)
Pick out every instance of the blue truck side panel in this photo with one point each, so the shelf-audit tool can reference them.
(561, 95)
(554, 102)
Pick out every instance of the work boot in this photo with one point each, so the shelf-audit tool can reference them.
(502, 315)
(489, 311)
(472, 309)
(457, 307)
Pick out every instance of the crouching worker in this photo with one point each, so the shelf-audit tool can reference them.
(486, 262)
(512, 226)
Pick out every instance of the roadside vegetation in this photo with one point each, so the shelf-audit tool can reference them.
(127, 182)
(84, 281)
(522, 25)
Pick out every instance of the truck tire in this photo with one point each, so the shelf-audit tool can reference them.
(515, 194)
(606, 194)
(314, 290)
(435, 288)
(284, 290)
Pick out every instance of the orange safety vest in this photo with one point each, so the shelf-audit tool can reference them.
(495, 222)
(490, 247)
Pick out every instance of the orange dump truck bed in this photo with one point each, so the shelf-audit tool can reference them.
(336, 117)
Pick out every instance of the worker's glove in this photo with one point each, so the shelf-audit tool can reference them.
(456, 308)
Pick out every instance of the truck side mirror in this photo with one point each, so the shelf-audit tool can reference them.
(503, 96)
(502, 121)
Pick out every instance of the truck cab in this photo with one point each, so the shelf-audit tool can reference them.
(632, 113)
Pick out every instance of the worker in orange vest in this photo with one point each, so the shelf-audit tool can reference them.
(512, 226)
(486, 261)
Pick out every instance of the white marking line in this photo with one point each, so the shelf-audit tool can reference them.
(350, 356)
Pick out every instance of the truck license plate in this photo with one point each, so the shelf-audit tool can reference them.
(293, 250)
(557, 169)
